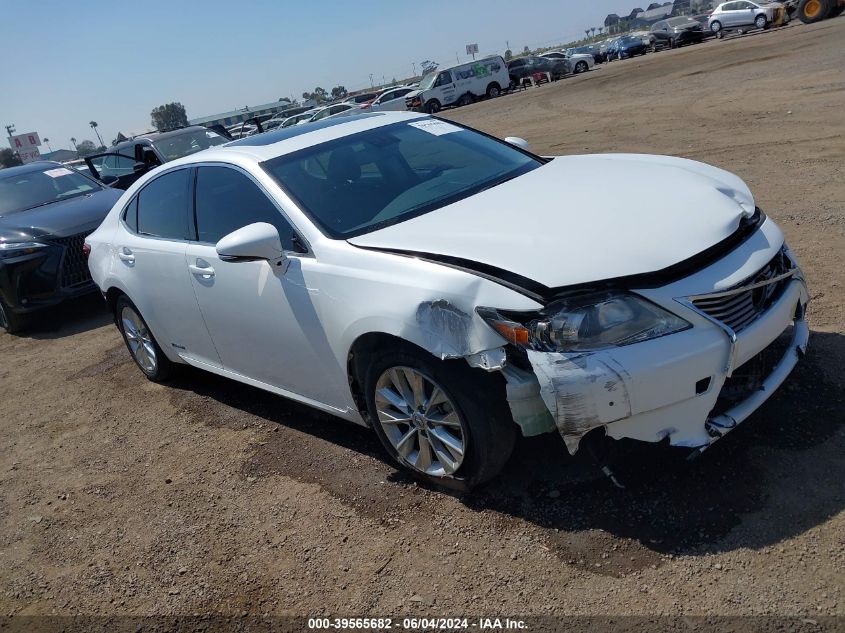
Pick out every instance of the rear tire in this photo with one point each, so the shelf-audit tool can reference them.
(141, 343)
(493, 90)
(11, 322)
(475, 398)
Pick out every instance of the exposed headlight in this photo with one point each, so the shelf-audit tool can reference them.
(14, 249)
(586, 323)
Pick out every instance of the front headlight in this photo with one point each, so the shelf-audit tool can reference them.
(14, 249)
(586, 323)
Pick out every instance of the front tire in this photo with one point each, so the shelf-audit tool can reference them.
(11, 322)
(716, 27)
(581, 67)
(761, 22)
(141, 343)
(440, 421)
(432, 106)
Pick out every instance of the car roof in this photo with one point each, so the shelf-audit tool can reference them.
(39, 165)
(279, 142)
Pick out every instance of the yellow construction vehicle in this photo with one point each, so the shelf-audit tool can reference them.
(810, 11)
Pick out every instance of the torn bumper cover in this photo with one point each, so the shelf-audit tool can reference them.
(663, 388)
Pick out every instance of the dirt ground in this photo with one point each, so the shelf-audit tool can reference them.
(119, 496)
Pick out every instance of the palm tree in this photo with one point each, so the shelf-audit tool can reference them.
(601, 28)
(73, 140)
(593, 29)
(587, 33)
(47, 142)
(93, 125)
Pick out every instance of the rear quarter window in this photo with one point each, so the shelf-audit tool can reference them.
(163, 206)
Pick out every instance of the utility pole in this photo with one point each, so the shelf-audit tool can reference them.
(10, 129)
(457, 59)
(415, 68)
(372, 85)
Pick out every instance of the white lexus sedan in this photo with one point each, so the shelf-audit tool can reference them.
(452, 290)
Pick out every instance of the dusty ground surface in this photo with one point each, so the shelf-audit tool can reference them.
(121, 496)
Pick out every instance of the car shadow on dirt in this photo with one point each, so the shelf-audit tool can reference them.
(777, 475)
(71, 317)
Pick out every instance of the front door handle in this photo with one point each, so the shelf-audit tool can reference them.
(126, 255)
(201, 271)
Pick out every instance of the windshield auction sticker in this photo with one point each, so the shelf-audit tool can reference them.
(435, 126)
(58, 172)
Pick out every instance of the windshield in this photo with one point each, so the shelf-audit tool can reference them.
(680, 21)
(366, 181)
(38, 188)
(190, 142)
(428, 81)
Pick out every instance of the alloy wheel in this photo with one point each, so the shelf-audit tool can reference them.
(420, 421)
(139, 340)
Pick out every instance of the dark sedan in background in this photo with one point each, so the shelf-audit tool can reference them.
(675, 32)
(46, 212)
(522, 67)
(625, 47)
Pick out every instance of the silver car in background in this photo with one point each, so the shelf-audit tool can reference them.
(744, 14)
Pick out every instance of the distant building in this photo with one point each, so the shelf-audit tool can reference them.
(60, 155)
(238, 116)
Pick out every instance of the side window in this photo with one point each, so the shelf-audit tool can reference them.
(444, 78)
(163, 206)
(130, 214)
(227, 200)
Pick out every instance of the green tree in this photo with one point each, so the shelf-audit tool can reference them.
(169, 116)
(339, 92)
(86, 147)
(8, 158)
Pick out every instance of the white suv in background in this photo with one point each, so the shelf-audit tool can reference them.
(451, 290)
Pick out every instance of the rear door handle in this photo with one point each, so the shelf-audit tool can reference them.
(126, 255)
(199, 270)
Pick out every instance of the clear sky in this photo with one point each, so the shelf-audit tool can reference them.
(65, 63)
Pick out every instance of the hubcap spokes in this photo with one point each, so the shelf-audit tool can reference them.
(139, 339)
(420, 421)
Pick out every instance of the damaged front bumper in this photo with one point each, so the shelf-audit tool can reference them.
(672, 387)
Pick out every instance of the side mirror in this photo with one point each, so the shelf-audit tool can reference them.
(107, 180)
(521, 143)
(139, 168)
(252, 242)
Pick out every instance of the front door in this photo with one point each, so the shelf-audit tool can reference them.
(261, 317)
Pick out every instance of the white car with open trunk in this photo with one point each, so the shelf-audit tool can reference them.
(452, 290)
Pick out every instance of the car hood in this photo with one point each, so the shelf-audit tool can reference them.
(581, 219)
(62, 218)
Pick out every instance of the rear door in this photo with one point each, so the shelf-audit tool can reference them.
(150, 261)
(730, 14)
